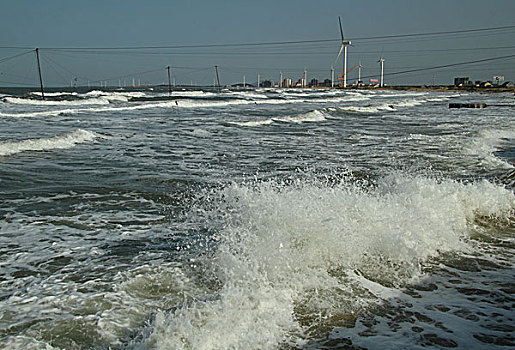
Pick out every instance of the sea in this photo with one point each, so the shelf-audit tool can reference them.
(132, 218)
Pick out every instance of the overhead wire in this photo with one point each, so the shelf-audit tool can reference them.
(5, 59)
(295, 48)
(269, 42)
(444, 66)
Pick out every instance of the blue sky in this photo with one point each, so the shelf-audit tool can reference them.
(48, 24)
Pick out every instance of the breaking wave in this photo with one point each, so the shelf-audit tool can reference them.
(293, 257)
(64, 141)
(312, 116)
(485, 143)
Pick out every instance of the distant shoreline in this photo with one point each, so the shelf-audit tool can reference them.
(450, 88)
(423, 88)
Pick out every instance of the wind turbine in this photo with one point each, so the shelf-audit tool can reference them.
(381, 62)
(343, 48)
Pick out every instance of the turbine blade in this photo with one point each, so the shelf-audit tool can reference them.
(341, 30)
(339, 54)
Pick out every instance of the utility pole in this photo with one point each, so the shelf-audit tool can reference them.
(39, 70)
(218, 79)
(169, 81)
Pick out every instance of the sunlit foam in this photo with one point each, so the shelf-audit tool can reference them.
(290, 251)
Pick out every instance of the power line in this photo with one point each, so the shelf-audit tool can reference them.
(14, 56)
(264, 43)
(129, 75)
(12, 82)
(435, 33)
(445, 66)
(290, 52)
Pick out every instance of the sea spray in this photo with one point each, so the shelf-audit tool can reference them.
(291, 258)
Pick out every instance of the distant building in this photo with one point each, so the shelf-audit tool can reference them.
(313, 82)
(462, 81)
(498, 79)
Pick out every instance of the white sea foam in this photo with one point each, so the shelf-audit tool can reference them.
(191, 93)
(77, 102)
(248, 94)
(409, 103)
(98, 101)
(39, 114)
(312, 116)
(254, 122)
(91, 109)
(290, 252)
(37, 93)
(486, 143)
(369, 109)
(91, 97)
(64, 141)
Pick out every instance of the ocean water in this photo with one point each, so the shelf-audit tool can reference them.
(256, 219)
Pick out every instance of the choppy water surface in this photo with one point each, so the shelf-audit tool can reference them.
(256, 219)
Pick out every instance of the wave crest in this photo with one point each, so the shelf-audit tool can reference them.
(64, 141)
(289, 256)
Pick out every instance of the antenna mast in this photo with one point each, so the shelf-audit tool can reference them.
(39, 71)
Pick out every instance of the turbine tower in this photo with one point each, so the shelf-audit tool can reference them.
(359, 72)
(343, 48)
(381, 62)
